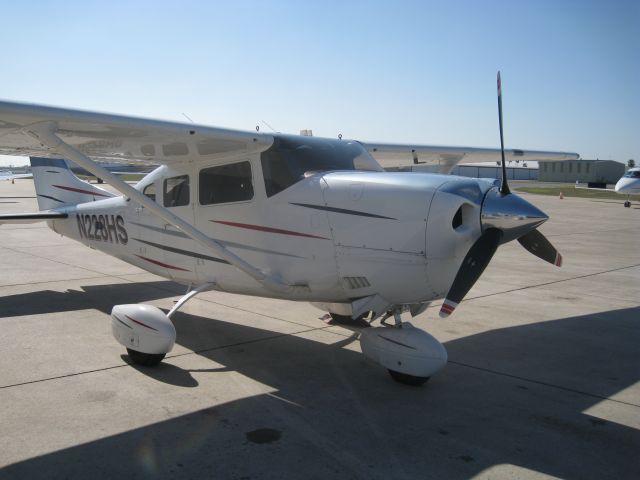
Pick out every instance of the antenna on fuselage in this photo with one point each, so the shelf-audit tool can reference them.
(187, 117)
(269, 126)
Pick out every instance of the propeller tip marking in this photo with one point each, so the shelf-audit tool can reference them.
(558, 261)
(447, 308)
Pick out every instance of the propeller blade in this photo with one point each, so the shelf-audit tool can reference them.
(473, 265)
(538, 244)
(504, 188)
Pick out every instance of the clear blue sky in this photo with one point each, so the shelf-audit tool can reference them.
(401, 71)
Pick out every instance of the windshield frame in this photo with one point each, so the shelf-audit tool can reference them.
(292, 158)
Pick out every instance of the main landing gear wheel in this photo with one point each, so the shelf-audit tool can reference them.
(145, 359)
(408, 379)
(627, 204)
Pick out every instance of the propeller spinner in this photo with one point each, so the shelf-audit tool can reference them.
(504, 217)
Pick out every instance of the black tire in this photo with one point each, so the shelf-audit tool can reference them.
(145, 359)
(627, 204)
(407, 379)
(347, 320)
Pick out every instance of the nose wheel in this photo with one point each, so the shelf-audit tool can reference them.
(407, 379)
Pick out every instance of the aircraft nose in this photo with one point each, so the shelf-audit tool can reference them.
(511, 214)
(620, 185)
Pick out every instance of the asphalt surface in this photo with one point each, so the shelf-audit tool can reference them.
(542, 379)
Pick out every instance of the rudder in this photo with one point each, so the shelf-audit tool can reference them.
(56, 185)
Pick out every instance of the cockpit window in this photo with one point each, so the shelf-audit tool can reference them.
(632, 174)
(176, 191)
(290, 159)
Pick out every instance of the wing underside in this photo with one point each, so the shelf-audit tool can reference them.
(118, 138)
(445, 157)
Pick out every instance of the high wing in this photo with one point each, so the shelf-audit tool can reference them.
(130, 139)
(445, 158)
(119, 138)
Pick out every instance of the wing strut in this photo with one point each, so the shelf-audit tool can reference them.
(46, 134)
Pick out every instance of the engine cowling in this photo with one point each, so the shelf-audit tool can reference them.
(143, 328)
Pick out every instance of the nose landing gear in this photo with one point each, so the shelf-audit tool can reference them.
(410, 354)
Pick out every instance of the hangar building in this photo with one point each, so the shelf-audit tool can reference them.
(597, 173)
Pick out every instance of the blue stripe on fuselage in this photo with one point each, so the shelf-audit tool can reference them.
(48, 162)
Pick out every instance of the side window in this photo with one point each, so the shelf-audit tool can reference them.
(176, 191)
(150, 191)
(226, 183)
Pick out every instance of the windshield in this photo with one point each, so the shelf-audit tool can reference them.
(290, 159)
(632, 174)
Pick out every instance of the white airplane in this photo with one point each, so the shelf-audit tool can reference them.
(291, 217)
(9, 175)
(629, 184)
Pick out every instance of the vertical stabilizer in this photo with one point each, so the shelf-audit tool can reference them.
(57, 186)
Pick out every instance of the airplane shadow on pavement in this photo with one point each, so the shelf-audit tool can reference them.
(98, 297)
(514, 396)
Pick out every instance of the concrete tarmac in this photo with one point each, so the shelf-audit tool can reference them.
(542, 379)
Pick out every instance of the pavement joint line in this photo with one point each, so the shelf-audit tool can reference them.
(26, 228)
(224, 305)
(526, 287)
(545, 384)
(255, 340)
(194, 352)
(49, 281)
(56, 261)
(631, 229)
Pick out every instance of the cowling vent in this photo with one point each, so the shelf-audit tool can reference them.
(353, 283)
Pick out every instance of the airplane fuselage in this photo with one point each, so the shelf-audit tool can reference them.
(629, 184)
(343, 235)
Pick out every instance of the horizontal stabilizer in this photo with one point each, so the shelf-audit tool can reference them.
(31, 217)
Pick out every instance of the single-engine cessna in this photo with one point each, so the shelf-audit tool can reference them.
(282, 216)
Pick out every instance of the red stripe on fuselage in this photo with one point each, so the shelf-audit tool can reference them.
(165, 265)
(79, 190)
(267, 229)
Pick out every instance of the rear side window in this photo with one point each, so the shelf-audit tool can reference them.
(150, 191)
(226, 183)
(176, 191)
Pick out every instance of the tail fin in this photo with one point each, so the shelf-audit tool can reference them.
(57, 186)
